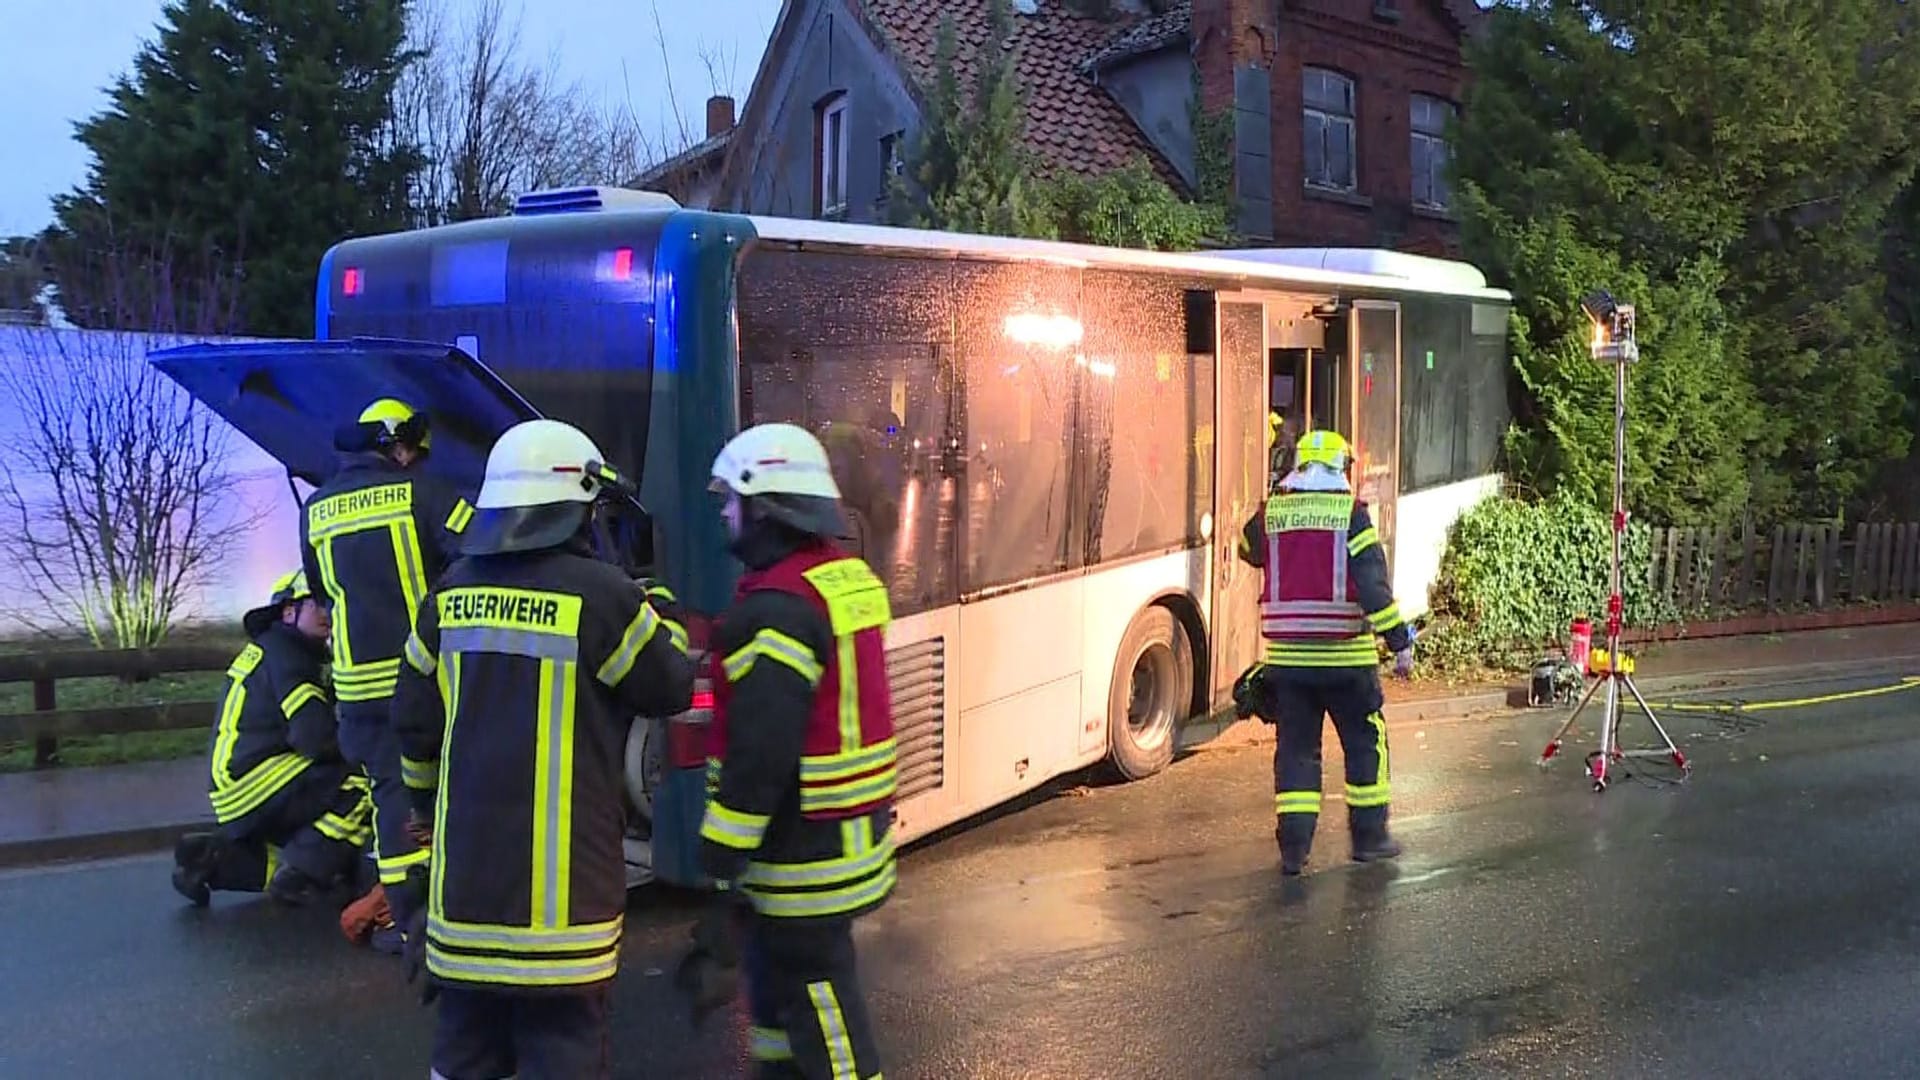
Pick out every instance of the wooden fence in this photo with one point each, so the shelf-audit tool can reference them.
(48, 723)
(1707, 570)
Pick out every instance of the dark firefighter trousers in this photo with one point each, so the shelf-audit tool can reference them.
(1298, 701)
(315, 825)
(810, 1017)
(489, 1035)
(367, 741)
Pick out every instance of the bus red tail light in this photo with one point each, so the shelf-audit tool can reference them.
(687, 733)
(351, 282)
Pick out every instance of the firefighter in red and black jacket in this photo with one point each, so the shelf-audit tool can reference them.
(1326, 594)
(802, 769)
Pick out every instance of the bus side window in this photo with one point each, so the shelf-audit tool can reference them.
(824, 345)
(1146, 477)
(1021, 351)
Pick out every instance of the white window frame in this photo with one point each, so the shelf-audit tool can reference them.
(833, 156)
(1428, 116)
(893, 153)
(1314, 108)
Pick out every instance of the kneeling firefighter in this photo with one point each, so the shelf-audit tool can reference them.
(802, 772)
(1326, 594)
(292, 816)
(527, 662)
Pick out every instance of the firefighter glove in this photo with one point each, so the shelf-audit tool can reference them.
(1403, 663)
(709, 973)
(1247, 692)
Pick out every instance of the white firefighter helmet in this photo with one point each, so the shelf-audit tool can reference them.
(774, 459)
(542, 477)
(783, 471)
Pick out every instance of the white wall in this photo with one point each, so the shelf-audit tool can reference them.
(1421, 521)
(259, 515)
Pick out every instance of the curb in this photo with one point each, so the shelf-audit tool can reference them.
(50, 850)
(1224, 732)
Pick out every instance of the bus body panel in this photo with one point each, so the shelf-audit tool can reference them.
(695, 403)
(1019, 688)
(986, 744)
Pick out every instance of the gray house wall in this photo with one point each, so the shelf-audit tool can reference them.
(829, 53)
(1157, 92)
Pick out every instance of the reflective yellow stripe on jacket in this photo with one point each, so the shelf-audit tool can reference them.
(861, 876)
(389, 507)
(234, 797)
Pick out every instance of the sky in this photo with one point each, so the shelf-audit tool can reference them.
(57, 57)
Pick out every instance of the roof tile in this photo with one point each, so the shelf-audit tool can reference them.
(1072, 123)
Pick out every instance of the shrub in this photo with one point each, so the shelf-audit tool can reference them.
(1515, 574)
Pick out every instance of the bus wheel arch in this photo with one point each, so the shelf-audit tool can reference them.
(1151, 690)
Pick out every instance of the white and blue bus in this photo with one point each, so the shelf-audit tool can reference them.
(1046, 449)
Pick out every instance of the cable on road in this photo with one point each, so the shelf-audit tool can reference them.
(1908, 682)
(1733, 717)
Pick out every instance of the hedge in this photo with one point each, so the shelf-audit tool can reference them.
(1515, 574)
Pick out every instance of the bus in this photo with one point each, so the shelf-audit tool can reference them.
(1045, 449)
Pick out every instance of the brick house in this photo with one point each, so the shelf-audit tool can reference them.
(1339, 106)
(692, 176)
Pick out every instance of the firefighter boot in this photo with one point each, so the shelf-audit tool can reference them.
(194, 858)
(1374, 844)
(1295, 833)
(293, 887)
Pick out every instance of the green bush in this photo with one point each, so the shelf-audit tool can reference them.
(1515, 574)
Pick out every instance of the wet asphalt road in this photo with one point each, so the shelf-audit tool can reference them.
(1763, 919)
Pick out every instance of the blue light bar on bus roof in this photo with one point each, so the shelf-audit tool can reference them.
(588, 199)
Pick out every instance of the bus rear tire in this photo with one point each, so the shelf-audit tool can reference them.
(645, 761)
(1151, 692)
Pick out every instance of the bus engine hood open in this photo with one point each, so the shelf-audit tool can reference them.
(290, 396)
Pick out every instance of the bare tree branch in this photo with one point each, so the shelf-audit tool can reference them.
(115, 491)
(492, 125)
(666, 72)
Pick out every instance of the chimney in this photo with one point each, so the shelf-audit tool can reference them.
(719, 115)
(1234, 44)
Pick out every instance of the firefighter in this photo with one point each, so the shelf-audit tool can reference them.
(526, 665)
(871, 474)
(796, 832)
(1277, 450)
(1326, 594)
(374, 538)
(292, 816)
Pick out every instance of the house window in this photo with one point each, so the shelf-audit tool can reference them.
(833, 156)
(893, 161)
(1430, 152)
(1328, 124)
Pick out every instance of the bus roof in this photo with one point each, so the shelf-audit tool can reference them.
(568, 210)
(1350, 268)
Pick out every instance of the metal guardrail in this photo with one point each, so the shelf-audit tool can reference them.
(48, 723)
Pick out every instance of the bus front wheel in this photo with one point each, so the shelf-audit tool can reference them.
(1151, 692)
